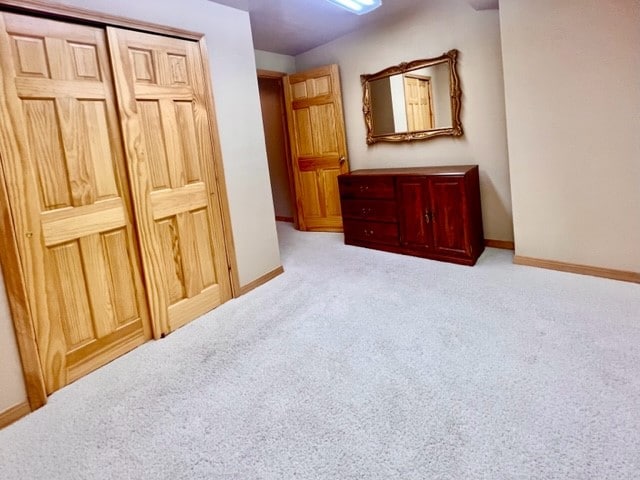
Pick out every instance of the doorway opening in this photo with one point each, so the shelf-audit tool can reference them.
(276, 136)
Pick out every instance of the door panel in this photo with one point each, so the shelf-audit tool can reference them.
(415, 228)
(331, 192)
(318, 146)
(323, 121)
(164, 118)
(449, 215)
(62, 156)
(304, 132)
(417, 93)
(310, 202)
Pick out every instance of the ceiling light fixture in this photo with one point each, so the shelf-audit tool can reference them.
(359, 7)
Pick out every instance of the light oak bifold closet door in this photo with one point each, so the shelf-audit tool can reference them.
(64, 168)
(109, 171)
(161, 95)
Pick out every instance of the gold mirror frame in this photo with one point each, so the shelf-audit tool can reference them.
(455, 130)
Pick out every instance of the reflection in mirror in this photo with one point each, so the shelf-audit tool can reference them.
(412, 101)
(418, 100)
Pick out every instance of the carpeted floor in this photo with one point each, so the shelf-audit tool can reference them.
(357, 364)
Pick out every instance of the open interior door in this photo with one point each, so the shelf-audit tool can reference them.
(318, 146)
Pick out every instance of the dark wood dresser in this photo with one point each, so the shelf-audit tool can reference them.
(431, 212)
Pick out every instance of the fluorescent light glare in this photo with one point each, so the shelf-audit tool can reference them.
(350, 5)
(359, 7)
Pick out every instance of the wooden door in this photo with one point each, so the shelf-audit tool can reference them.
(169, 151)
(417, 95)
(318, 146)
(63, 162)
(449, 215)
(415, 215)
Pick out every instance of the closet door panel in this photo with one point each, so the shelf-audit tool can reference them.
(62, 155)
(169, 151)
(44, 140)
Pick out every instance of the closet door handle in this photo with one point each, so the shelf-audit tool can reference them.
(341, 160)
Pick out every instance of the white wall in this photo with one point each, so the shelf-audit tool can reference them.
(441, 86)
(235, 90)
(12, 389)
(398, 102)
(275, 62)
(574, 129)
(437, 27)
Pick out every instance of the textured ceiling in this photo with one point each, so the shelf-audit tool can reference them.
(291, 27)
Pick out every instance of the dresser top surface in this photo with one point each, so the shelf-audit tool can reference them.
(439, 170)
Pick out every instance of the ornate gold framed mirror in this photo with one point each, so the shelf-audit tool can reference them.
(415, 100)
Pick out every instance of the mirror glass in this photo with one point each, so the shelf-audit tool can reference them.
(413, 101)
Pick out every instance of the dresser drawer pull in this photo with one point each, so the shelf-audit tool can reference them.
(366, 212)
(368, 233)
(364, 188)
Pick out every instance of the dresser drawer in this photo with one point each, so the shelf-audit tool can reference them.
(374, 186)
(357, 231)
(382, 210)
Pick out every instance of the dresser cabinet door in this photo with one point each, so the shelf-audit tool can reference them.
(448, 215)
(414, 213)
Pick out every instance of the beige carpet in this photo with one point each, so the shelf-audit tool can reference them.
(357, 364)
